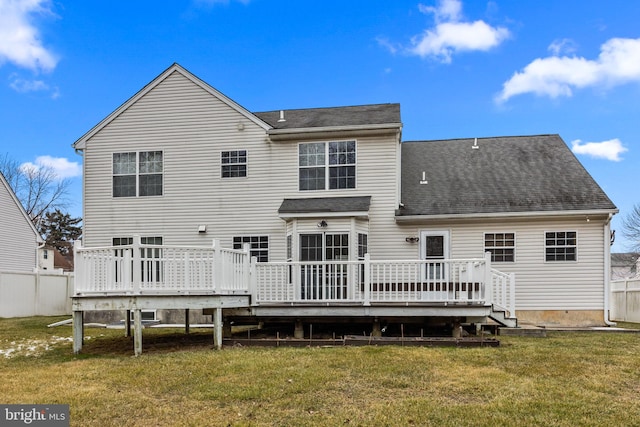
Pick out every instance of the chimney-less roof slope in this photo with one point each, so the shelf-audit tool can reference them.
(374, 114)
(503, 175)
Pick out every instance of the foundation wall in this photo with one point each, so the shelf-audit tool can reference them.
(564, 318)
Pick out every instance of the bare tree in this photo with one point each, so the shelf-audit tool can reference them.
(631, 228)
(37, 187)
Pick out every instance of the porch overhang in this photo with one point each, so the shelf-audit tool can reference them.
(325, 207)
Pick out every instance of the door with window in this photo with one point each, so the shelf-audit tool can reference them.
(321, 279)
(434, 248)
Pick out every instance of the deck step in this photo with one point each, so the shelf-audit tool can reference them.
(500, 316)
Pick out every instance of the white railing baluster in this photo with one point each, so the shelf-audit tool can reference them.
(140, 268)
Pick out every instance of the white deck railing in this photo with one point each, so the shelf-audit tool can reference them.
(138, 269)
(368, 281)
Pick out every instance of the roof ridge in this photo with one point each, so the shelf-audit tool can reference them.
(482, 137)
(326, 108)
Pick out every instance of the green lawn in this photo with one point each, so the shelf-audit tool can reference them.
(566, 379)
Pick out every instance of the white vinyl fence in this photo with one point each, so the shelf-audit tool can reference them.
(35, 294)
(625, 300)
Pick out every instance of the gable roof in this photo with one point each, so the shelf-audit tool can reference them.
(520, 174)
(19, 206)
(359, 115)
(175, 68)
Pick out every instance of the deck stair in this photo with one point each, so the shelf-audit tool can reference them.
(500, 316)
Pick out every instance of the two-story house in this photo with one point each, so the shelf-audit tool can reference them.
(20, 239)
(179, 164)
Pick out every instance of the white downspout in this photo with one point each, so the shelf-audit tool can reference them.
(607, 270)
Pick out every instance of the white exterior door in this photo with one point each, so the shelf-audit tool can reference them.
(434, 247)
(321, 280)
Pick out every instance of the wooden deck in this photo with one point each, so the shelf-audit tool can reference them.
(150, 277)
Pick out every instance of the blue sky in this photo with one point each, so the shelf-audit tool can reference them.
(458, 69)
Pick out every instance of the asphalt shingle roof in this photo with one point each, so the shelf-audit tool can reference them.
(504, 174)
(325, 204)
(374, 114)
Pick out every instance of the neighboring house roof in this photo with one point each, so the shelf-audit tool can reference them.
(625, 265)
(325, 205)
(19, 206)
(363, 115)
(624, 259)
(503, 175)
(60, 261)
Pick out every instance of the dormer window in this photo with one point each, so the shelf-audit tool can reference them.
(327, 165)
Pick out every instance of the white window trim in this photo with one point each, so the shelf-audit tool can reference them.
(515, 244)
(246, 164)
(255, 235)
(137, 174)
(544, 246)
(327, 166)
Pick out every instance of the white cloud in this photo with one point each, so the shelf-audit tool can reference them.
(618, 63)
(61, 166)
(21, 85)
(20, 41)
(451, 35)
(565, 46)
(384, 42)
(609, 150)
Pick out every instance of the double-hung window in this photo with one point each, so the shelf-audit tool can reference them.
(259, 246)
(561, 245)
(137, 174)
(234, 164)
(501, 245)
(327, 165)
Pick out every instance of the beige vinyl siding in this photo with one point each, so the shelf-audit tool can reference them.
(540, 285)
(192, 128)
(19, 240)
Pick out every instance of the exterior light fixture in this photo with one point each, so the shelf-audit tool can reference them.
(412, 239)
(322, 224)
(202, 229)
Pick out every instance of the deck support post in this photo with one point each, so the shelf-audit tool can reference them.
(376, 332)
(217, 327)
(186, 321)
(78, 331)
(127, 324)
(137, 331)
(226, 329)
(298, 331)
(456, 330)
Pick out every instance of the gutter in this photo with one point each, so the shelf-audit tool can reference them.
(409, 218)
(369, 129)
(607, 270)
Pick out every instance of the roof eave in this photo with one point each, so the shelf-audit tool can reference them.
(322, 214)
(297, 133)
(489, 215)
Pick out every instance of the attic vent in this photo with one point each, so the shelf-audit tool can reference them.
(475, 144)
(424, 178)
(282, 119)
